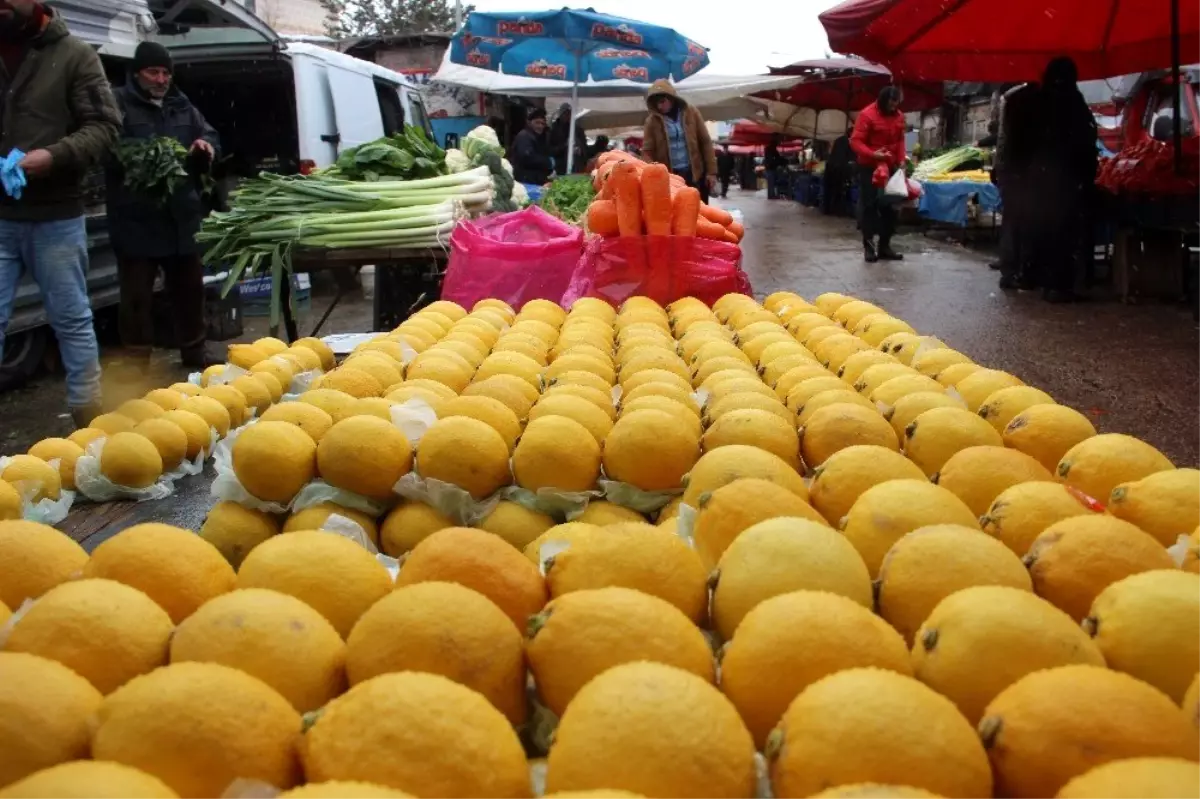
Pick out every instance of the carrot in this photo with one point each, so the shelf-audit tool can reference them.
(614, 156)
(709, 230)
(627, 192)
(714, 214)
(736, 229)
(656, 200)
(676, 181)
(730, 236)
(685, 212)
(602, 217)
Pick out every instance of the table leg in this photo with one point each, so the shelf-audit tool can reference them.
(285, 308)
(337, 297)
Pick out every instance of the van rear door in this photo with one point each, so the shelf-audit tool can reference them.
(356, 105)
(204, 29)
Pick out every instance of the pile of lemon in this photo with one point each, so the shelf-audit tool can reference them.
(878, 569)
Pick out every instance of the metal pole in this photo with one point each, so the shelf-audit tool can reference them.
(574, 117)
(458, 15)
(1176, 110)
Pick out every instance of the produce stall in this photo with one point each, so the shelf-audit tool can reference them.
(949, 187)
(1151, 205)
(391, 539)
(391, 203)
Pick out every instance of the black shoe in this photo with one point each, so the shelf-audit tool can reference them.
(200, 358)
(1026, 283)
(995, 265)
(1058, 296)
(869, 254)
(886, 253)
(83, 416)
(1009, 282)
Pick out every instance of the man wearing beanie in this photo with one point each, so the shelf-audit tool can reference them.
(56, 108)
(147, 233)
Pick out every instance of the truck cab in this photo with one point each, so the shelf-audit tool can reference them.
(1150, 112)
(278, 105)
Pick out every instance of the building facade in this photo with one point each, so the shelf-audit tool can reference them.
(290, 17)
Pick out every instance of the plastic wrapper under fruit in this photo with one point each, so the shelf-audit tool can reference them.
(1178, 551)
(45, 511)
(685, 523)
(663, 268)
(413, 418)
(447, 498)
(558, 505)
(301, 383)
(226, 485)
(634, 498)
(7, 627)
(95, 486)
(348, 528)
(515, 257)
(318, 492)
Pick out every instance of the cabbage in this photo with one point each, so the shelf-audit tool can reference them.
(457, 161)
(480, 141)
(519, 195)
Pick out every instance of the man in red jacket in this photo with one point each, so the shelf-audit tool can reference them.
(878, 139)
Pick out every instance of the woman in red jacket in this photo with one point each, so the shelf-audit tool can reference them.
(878, 139)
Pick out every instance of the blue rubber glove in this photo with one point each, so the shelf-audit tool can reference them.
(12, 177)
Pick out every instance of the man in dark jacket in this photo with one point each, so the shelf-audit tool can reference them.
(836, 189)
(724, 169)
(56, 107)
(773, 162)
(530, 154)
(149, 232)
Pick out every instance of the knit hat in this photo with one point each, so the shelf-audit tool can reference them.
(152, 54)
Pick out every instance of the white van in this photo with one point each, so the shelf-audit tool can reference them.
(280, 106)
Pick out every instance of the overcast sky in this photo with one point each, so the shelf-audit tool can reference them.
(744, 37)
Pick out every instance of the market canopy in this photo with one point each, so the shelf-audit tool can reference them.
(702, 89)
(849, 84)
(985, 40)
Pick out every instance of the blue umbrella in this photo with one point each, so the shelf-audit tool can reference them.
(574, 45)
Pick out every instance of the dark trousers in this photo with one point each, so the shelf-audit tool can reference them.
(185, 285)
(876, 217)
(724, 181)
(835, 191)
(700, 185)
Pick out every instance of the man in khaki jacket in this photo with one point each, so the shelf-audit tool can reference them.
(675, 135)
(57, 108)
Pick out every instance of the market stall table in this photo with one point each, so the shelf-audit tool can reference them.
(405, 279)
(946, 201)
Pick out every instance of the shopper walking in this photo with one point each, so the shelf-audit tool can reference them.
(57, 108)
(1063, 169)
(724, 169)
(1016, 141)
(773, 162)
(836, 180)
(878, 139)
(675, 135)
(150, 232)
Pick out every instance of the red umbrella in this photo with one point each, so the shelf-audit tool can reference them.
(849, 84)
(752, 133)
(988, 40)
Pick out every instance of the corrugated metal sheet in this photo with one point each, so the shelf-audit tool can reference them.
(115, 24)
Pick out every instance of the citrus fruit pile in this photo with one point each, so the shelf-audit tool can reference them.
(875, 568)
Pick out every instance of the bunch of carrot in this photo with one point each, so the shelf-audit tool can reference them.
(634, 198)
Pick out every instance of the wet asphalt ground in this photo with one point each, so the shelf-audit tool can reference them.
(1131, 368)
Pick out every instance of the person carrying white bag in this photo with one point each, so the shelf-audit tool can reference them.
(878, 142)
